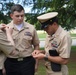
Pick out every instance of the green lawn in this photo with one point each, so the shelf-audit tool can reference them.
(71, 64)
(43, 34)
(72, 68)
(73, 35)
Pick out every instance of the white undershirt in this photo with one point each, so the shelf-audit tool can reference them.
(19, 26)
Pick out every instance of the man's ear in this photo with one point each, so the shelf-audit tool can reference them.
(54, 23)
(11, 15)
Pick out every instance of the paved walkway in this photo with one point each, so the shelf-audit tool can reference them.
(42, 42)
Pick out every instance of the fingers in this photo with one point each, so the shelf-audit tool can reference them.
(39, 56)
(3, 26)
(35, 52)
(9, 30)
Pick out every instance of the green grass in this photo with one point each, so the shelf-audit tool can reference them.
(41, 70)
(71, 65)
(73, 35)
(72, 68)
(73, 48)
(42, 34)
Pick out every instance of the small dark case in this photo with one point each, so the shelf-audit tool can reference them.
(55, 66)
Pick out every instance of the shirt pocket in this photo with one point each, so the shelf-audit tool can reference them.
(27, 41)
(28, 38)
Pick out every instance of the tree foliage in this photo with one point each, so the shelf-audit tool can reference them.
(65, 8)
(5, 11)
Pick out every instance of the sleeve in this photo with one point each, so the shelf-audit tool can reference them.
(5, 45)
(35, 38)
(65, 46)
(46, 41)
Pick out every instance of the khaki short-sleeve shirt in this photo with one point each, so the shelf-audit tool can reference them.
(61, 41)
(5, 47)
(24, 39)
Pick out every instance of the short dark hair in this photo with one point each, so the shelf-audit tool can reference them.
(16, 7)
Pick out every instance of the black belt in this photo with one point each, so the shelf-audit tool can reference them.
(19, 59)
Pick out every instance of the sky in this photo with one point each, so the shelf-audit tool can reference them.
(27, 8)
(0, 6)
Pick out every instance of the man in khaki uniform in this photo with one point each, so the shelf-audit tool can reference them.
(57, 45)
(25, 39)
(6, 45)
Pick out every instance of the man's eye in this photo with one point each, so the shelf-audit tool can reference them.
(22, 15)
(17, 15)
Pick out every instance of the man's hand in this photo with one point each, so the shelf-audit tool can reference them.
(35, 52)
(3, 71)
(39, 56)
(5, 28)
(8, 30)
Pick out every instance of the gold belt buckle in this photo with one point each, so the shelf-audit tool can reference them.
(20, 59)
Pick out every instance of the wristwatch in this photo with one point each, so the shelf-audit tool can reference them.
(46, 57)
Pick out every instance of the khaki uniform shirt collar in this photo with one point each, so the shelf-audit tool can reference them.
(25, 26)
(11, 24)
